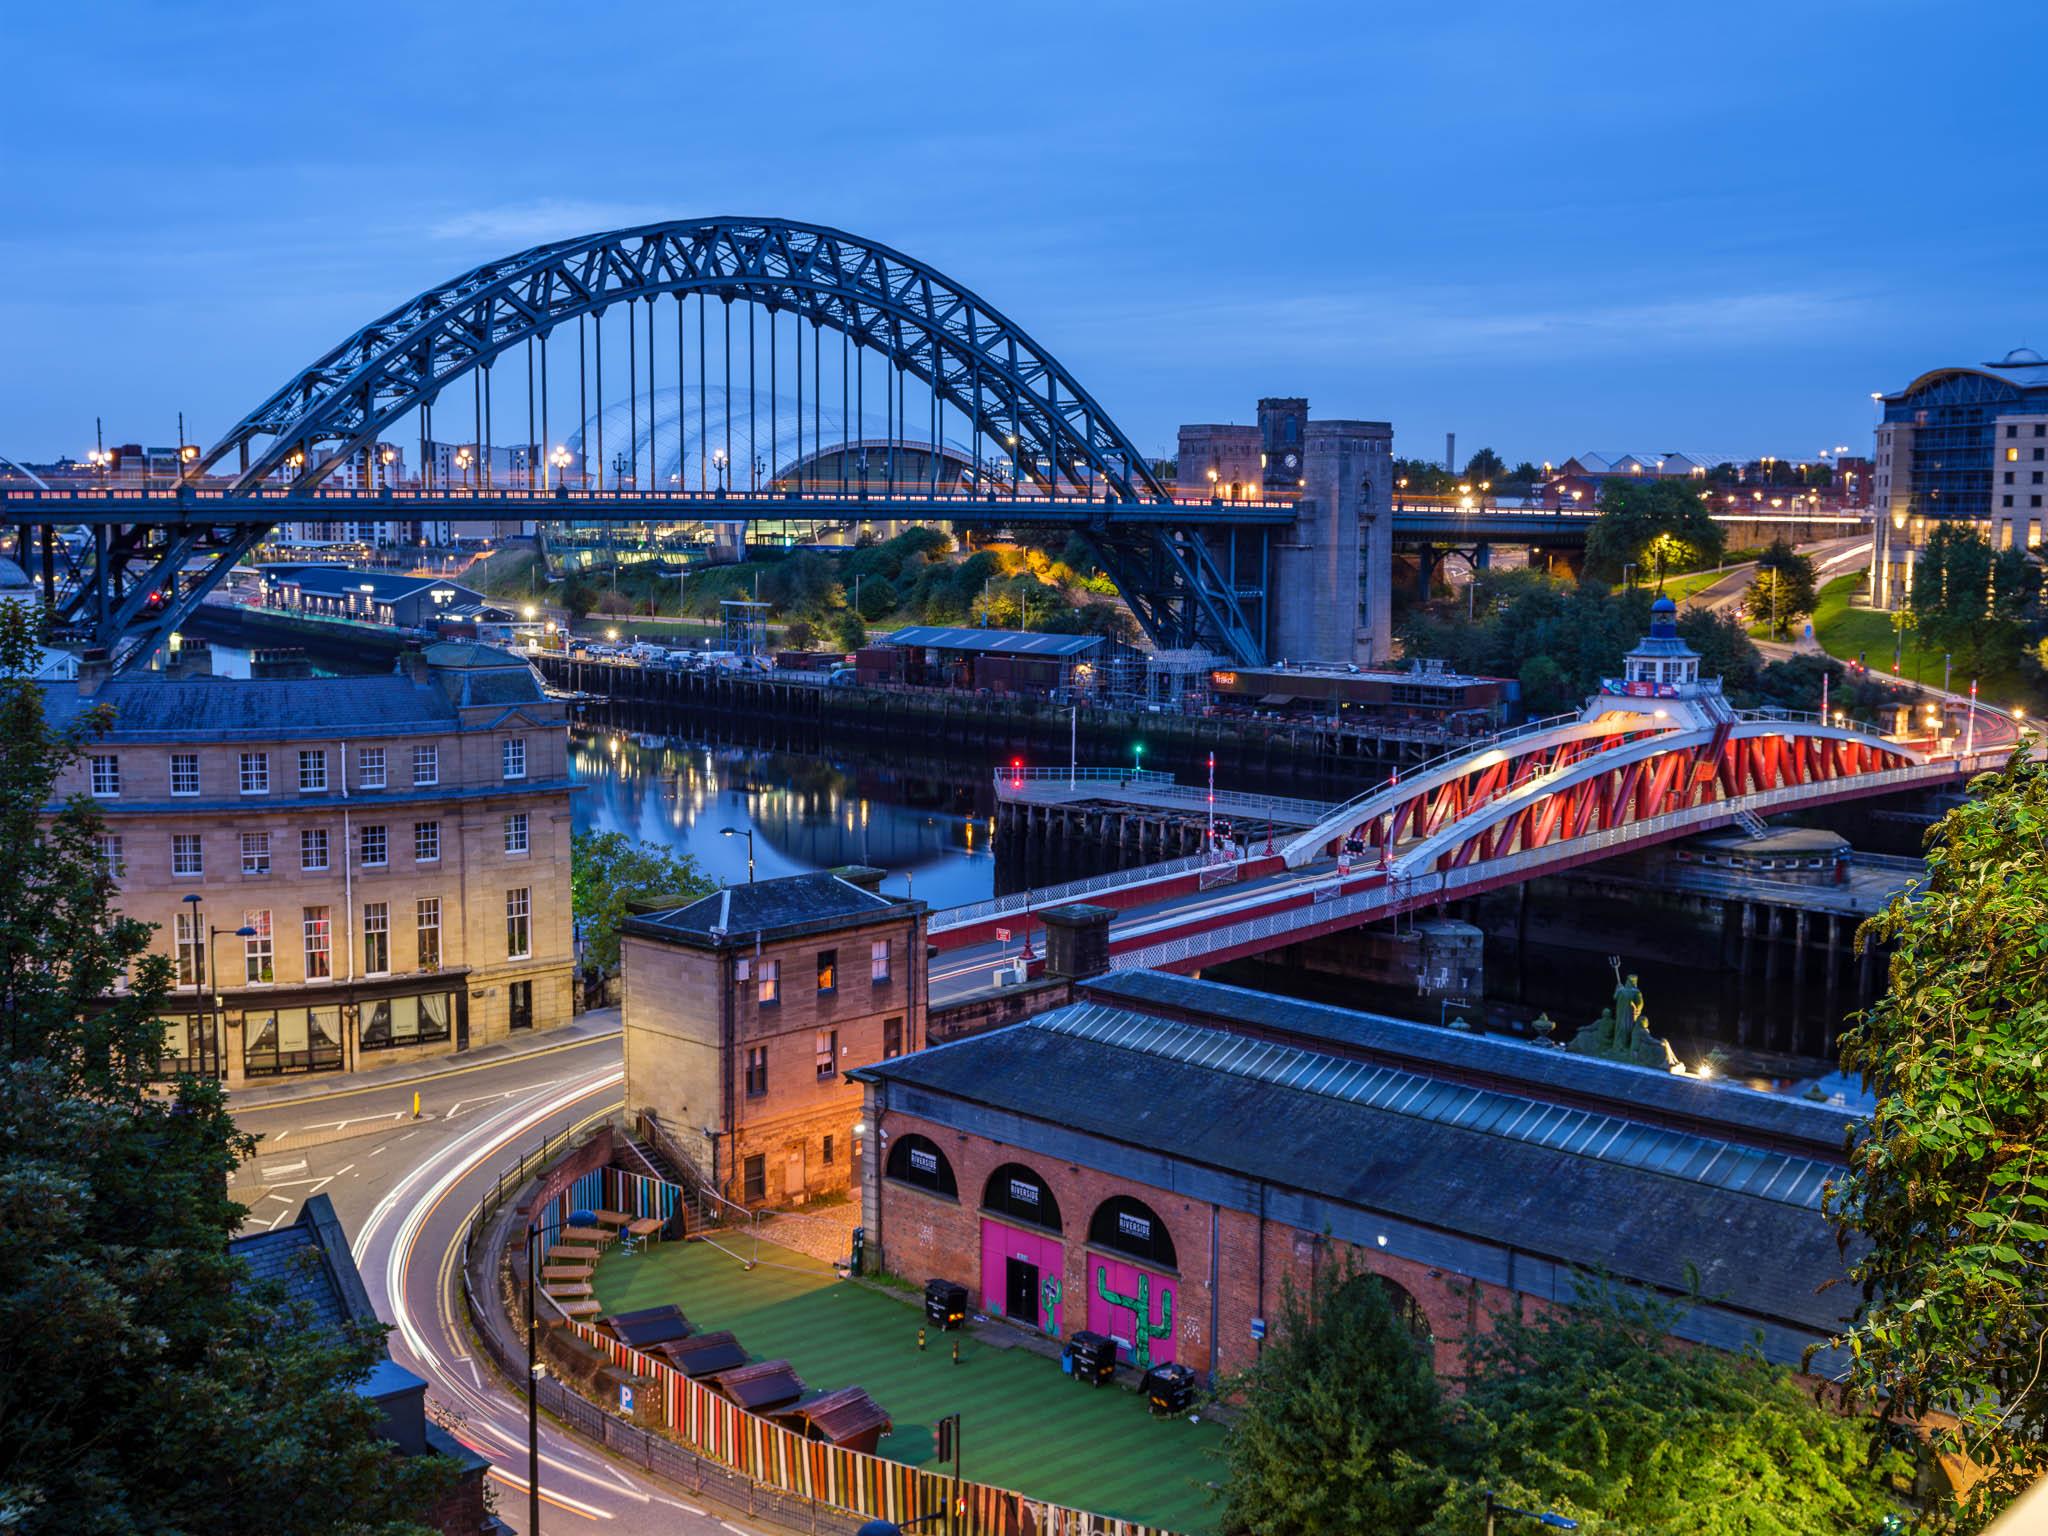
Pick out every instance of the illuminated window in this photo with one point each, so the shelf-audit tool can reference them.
(376, 938)
(318, 926)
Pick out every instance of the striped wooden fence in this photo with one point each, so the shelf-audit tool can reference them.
(611, 1189)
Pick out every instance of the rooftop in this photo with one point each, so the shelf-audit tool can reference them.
(765, 908)
(1002, 642)
(1579, 1187)
(340, 580)
(311, 1260)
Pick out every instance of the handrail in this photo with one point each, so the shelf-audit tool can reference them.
(1017, 901)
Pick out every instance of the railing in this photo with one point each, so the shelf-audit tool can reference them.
(1163, 786)
(1002, 906)
(1081, 775)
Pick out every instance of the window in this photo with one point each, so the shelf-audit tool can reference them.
(255, 853)
(2006, 500)
(184, 773)
(312, 770)
(1018, 1193)
(255, 773)
(256, 949)
(2033, 501)
(828, 970)
(515, 758)
(2012, 455)
(426, 765)
(396, 1021)
(313, 849)
(191, 949)
(917, 1160)
(186, 858)
(515, 832)
(319, 931)
(757, 1071)
(768, 985)
(373, 850)
(376, 938)
(108, 846)
(429, 923)
(892, 1037)
(284, 1040)
(106, 775)
(2040, 454)
(2035, 478)
(518, 924)
(1132, 1228)
(754, 1178)
(828, 1151)
(519, 1005)
(878, 961)
(828, 1054)
(426, 841)
(2011, 430)
(369, 768)
(2008, 477)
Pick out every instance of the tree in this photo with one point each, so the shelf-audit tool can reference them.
(849, 630)
(148, 1384)
(1595, 1411)
(608, 870)
(1968, 600)
(1783, 590)
(1653, 525)
(1335, 1415)
(798, 634)
(1946, 1184)
(1485, 465)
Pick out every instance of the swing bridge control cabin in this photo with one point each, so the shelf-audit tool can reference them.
(1153, 1159)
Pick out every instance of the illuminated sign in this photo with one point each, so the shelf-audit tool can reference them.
(923, 1161)
(1223, 679)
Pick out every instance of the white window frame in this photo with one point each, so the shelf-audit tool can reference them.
(426, 835)
(878, 961)
(312, 770)
(519, 923)
(427, 907)
(318, 934)
(196, 845)
(260, 945)
(513, 757)
(426, 767)
(518, 841)
(255, 853)
(106, 776)
(107, 845)
(310, 838)
(768, 984)
(370, 768)
(376, 936)
(383, 858)
(256, 782)
(185, 760)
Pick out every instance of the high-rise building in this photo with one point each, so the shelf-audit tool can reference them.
(1966, 444)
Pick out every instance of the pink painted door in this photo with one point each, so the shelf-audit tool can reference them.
(1115, 1292)
(1016, 1264)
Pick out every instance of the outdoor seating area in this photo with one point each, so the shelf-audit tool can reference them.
(854, 1350)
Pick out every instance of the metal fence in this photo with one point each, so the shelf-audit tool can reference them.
(1002, 906)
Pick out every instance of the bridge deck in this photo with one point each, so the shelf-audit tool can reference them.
(1112, 788)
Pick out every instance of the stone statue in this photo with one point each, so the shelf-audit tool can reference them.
(1622, 1032)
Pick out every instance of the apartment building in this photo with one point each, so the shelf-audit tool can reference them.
(346, 871)
(745, 1010)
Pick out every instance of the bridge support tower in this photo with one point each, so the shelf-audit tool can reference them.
(1332, 572)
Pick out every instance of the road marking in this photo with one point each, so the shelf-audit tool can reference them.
(688, 1509)
(298, 1167)
(342, 1125)
(560, 1501)
(408, 1136)
(381, 1150)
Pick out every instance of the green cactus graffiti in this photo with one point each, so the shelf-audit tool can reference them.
(1049, 1294)
(1146, 1330)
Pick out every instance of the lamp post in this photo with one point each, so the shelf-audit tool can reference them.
(213, 970)
(532, 1382)
(748, 834)
(559, 462)
(718, 460)
(192, 926)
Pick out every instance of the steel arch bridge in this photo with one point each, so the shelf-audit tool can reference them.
(1177, 565)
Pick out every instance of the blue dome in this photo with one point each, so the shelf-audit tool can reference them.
(1663, 606)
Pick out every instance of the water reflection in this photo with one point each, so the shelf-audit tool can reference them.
(806, 812)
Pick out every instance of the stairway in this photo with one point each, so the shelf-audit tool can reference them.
(1752, 823)
(642, 1156)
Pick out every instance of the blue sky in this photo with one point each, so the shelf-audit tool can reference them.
(1548, 228)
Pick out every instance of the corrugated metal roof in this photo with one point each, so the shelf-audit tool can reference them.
(1001, 642)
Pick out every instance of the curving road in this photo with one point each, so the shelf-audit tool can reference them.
(405, 1188)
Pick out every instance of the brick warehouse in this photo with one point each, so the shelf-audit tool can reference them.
(1183, 1146)
(743, 1011)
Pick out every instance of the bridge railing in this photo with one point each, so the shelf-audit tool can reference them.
(1002, 906)
(1452, 754)
(1163, 786)
(1081, 775)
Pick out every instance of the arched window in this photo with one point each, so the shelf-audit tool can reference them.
(1132, 1228)
(1015, 1192)
(1407, 1310)
(915, 1159)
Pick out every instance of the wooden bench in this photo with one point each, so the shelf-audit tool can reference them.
(565, 1290)
(565, 1272)
(581, 1308)
(573, 1253)
(596, 1235)
(646, 1228)
(612, 1220)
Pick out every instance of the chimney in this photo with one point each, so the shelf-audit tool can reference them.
(866, 876)
(94, 668)
(1450, 453)
(1076, 940)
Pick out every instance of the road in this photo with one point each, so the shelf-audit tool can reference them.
(1830, 558)
(404, 1188)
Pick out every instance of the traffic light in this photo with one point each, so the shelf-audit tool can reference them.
(1016, 773)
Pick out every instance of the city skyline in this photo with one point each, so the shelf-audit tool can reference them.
(1595, 243)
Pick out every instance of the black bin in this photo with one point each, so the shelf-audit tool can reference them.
(945, 1302)
(1169, 1388)
(1089, 1357)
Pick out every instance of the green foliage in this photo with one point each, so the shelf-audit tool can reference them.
(1423, 478)
(1946, 1182)
(1783, 591)
(1654, 525)
(799, 635)
(1594, 1412)
(1485, 465)
(147, 1385)
(849, 631)
(609, 870)
(1337, 1412)
(1972, 602)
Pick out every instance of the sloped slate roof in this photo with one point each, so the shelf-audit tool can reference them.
(765, 906)
(311, 1259)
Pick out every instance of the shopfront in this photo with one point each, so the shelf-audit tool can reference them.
(1133, 1278)
(1022, 1257)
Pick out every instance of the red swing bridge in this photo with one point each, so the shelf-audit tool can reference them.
(1656, 754)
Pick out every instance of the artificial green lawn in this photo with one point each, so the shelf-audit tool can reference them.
(1024, 1425)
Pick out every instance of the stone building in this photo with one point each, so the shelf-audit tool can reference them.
(746, 1009)
(396, 848)
(1155, 1159)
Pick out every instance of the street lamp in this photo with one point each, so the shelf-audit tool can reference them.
(464, 459)
(748, 834)
(193, 926)
(559, 458)
(718, 460)
(533, 1375)
(1541, 1516)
